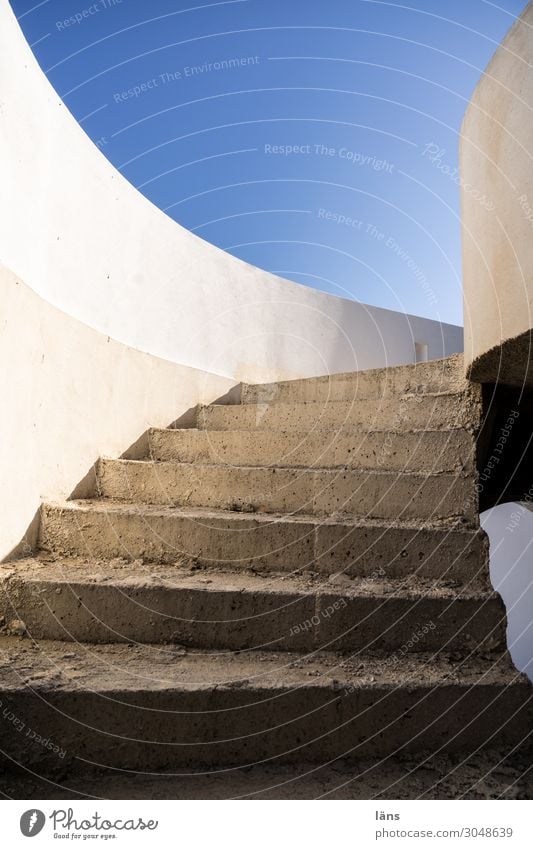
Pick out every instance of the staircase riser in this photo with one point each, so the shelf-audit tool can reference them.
(239, 726)
(412, 413)
(323, 493)
(238, 620)
(425, 377)
(244, 542)
(424, 451)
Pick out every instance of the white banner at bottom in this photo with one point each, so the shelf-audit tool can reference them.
(268, 824)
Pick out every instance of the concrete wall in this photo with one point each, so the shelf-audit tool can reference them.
(497, 212)
(88, 242)
(70, 394)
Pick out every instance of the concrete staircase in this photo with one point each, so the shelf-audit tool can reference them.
(299, 576)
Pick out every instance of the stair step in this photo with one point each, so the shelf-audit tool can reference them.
(301, 577)
(506, 774)
(103, 529)
(162, 707)
(435, 451)
(434, 376)
(365, 493)
(409, 412)
(83, 600)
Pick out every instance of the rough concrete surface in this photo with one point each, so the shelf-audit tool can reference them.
(105, 529)
(166, 707)
(214, 607)
(375, 494)
(495, 774)
(414, 451)
(123, 601)
(430, 411)
(444, 375)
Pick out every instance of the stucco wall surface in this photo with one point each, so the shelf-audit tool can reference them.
(497, 212)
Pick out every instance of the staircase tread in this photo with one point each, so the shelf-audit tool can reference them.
(388, 397)
(110, 506)
(184, 575)
(451, 362)
(352, 430)
(298, 470)
(51, 666)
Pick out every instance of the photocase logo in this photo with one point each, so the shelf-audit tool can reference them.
(32, 822)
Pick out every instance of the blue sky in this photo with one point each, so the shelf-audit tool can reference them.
(317, 140)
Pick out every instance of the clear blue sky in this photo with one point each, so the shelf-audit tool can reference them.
(315, 139)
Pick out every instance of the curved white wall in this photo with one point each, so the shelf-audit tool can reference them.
(497, 213)
(88, 242)
(69, 395)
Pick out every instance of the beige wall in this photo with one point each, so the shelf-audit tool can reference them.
(69, 395)
(497, 210)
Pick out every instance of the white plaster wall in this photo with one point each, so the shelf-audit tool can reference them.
(88, 242)
(497, 207)
(69, 395)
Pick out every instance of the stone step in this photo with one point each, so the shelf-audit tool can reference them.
(434, 376)
(161, 707)
(434, 451)
(411, 412)
(505, 774)
(366, 493)
(104, 529)
(102, 602)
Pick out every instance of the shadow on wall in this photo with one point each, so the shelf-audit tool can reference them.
(510, 530)
(74, 395)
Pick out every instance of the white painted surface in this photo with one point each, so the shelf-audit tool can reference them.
(510, 530)
(497, 200)
(69, 395)
(88, 242)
